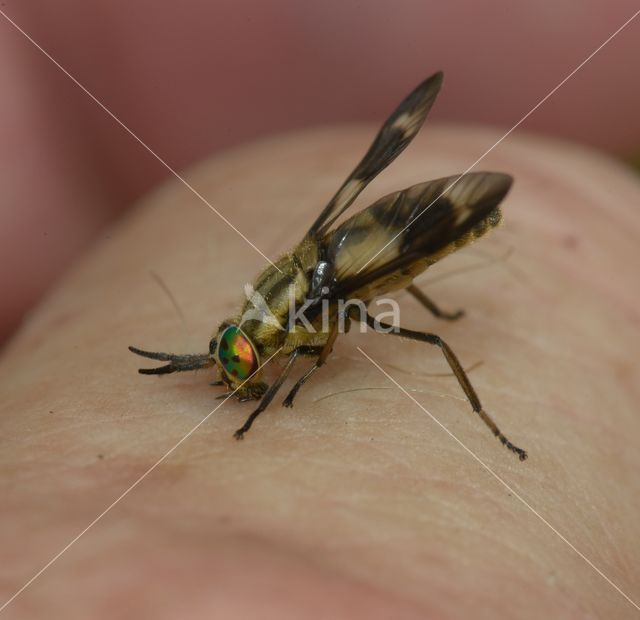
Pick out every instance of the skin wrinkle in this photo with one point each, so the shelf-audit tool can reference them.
(375, 388)
(407, 514)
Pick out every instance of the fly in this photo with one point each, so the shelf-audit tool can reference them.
(378, 250)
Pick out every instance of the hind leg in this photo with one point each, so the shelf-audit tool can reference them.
(458, 371)
(432, 307)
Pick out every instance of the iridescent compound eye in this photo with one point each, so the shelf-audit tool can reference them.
(236, 354)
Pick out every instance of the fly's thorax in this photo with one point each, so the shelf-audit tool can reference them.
(300, 336)
(275, 292)
(267, 338)
(301, 260)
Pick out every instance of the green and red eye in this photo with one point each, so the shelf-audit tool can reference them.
(236, 354)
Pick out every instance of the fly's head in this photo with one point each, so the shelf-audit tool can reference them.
(237, 358)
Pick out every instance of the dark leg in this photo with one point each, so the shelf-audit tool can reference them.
(288, 401)
(458, 371)
(432, 307)
(177, 363)
(268, 395)
(322, 358)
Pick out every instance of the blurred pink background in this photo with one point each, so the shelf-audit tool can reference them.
(196, 76)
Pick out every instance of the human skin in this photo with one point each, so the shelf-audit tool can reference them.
(352, 504)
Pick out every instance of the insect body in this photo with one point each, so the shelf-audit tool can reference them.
(378, 250)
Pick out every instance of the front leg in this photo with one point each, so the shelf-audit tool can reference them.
(268, 395)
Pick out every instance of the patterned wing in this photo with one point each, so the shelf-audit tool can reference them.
(385, 246)
(398, 130)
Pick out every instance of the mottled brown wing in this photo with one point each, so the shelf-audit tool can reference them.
(398, 130)
(385, 246)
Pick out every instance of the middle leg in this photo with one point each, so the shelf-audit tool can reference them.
(322, 358)
(268, 395)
